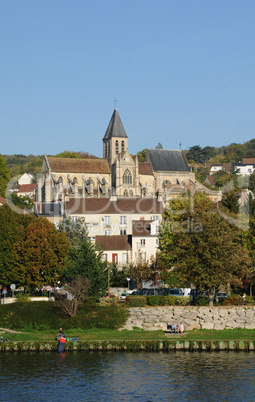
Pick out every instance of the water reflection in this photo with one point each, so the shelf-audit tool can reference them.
(95, 376)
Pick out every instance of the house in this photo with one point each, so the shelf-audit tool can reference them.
(27, 190)
(26, 178)
(2, 201)
(243, 169)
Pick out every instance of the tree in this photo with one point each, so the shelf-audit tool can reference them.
(39, 259)
(68, 154)
(159, 146)
(4, 176)
(12, 230)
(22, 202)
(200, 247)
(230, 201)
(78, 289)
(140, 271)
(85, 259)
(75, 230)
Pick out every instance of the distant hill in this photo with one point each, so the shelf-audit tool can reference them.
(19, 164)
(231, 153)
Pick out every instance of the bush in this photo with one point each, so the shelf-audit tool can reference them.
(202, 301)
(136, 301)
(22, 297)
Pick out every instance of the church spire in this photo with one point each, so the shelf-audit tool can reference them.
(115, 127)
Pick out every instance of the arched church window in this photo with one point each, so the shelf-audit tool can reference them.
(60, 179)
(127, 177)
(116, 147)
(131, 193)
(125, 193)
(122, 146)
(105, 150)
(75, 181)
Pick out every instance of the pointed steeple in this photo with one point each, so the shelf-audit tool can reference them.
(115, 127)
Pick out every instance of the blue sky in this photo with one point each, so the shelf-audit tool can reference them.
(181, 71)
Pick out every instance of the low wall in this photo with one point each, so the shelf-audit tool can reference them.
(132, 346)
(9, 300)
(155, 318)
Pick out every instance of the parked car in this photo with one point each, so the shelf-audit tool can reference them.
(136, 293)
(220, 295)
(176, 292)
(123, 297)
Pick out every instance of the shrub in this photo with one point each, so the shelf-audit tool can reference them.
(22, 297)
(136, 301)
(153, 300)
(202, 301)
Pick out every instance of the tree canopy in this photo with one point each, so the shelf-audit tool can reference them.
(200, 247)
(32, 251)
(4, 176)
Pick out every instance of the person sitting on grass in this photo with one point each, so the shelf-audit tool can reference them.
(180, 328)
(173, 328)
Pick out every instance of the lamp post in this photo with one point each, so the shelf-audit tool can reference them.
(128, 280)
(108, 266)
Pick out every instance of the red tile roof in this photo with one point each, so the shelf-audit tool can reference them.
(121, 206)
(113, 242)
(2, 200)
(145, 168)
(27, 188)
(248, 161)
(71, 165)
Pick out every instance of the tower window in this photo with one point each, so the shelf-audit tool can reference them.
(122, 146)
(116, 147)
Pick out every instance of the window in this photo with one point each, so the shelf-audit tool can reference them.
(109, 149)
(142, 242)
(127, 177)
(123, 232)
(104, 257)
(105, 150)
(125, 193)
(124, 258)
(116, 147)
(154, 218)
(107, 221)
(107, 232)
(123, 221)
(122, 146)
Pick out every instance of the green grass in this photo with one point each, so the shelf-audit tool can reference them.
(106, 334)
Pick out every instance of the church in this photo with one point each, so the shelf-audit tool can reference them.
(114, 194)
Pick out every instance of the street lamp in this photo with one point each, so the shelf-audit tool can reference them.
(128, 280)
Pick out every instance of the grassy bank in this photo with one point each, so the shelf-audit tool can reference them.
(114, 335)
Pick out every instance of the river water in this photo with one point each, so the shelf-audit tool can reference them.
(116, 376)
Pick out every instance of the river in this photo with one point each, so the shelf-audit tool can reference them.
(116, 376)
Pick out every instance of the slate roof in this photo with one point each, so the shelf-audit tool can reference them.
(121, 206)
(141, 228)
(71, 165)
(145, 168)
(115, 127)
(164, 160)
(110, 243)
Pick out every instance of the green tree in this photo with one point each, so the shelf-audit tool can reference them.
(75, 230)
(22, 202)
(200, 247)
(4, 176)
(69, 154)
(40, 258)
(85, 259)
(12, 231)
(230, 201)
